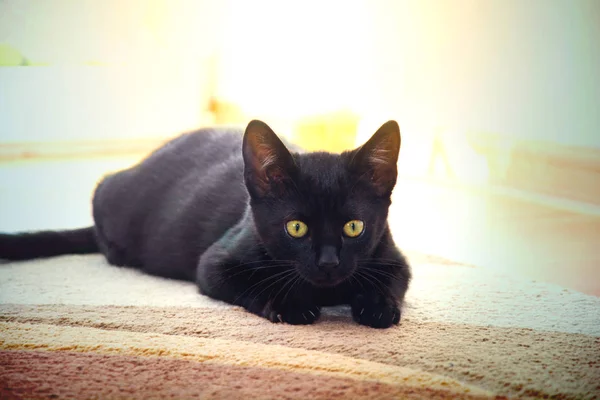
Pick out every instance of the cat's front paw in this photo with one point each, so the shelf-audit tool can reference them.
(292, 314)
(375, 311)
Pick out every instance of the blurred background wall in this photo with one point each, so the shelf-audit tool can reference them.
(477, 86)
(495, 95)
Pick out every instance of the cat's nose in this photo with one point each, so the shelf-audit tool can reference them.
(328, 257)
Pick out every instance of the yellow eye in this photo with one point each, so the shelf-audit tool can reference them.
(296, 228)
(353, 228)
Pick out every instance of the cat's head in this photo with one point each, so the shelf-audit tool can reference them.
(325, 212)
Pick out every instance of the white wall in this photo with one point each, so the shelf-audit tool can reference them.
(522, 68)
(75, 103)
(109, 69)
(525, 68)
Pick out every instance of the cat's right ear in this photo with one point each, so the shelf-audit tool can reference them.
(268, 165)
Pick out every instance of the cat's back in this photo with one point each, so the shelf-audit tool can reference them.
(174, 194)
(195, 153)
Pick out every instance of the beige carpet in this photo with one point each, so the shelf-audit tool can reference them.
(74, 327)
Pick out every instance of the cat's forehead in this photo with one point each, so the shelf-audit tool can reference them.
(322, 173)
(326, 186)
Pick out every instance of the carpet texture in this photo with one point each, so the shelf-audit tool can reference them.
(74, 327)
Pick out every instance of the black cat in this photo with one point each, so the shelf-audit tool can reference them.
(281, 234)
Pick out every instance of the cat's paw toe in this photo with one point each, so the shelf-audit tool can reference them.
(294, 315)
(376, 313)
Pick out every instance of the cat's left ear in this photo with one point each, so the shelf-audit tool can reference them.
(268, 165)
(377, 159)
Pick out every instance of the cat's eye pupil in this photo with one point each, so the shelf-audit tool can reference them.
(353, 226)
(297, 226)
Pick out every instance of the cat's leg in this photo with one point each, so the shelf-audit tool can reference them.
(383, 285)
(261, 286)
(114, 254)
(291, 312)
(375, 310)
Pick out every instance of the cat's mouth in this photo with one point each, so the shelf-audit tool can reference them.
(325, 283)
(325, 279)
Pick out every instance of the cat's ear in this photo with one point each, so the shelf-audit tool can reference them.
(377, 159)
(268, 165)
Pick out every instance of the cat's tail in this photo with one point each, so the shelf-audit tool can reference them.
(27, 246)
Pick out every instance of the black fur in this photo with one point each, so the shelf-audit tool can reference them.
(27, 246)
(211, 207)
